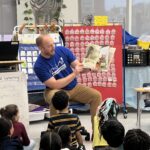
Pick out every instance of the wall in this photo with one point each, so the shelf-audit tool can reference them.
(69, 14)
(13, 90)
(8, 17)
(20, 9)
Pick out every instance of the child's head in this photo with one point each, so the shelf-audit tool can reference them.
(65, 134)
(113, 132)
(60, 100)
(136, 139)
(6, 128)
(10, 112)
(50, 141)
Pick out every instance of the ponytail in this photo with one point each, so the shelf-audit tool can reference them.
(9, 112)
(2, 112)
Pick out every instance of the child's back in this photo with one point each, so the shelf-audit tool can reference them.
(20, 131)
(6, 142)
(107, 130)
(10, 144)
(60, 102)
(65, 134)
(71, 120)
(11, 112)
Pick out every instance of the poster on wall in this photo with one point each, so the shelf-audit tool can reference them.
(43, 11)
(98, 48)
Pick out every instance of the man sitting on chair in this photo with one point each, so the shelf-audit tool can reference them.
(58, 68)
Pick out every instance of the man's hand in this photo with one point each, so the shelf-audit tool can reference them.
(78, 68)
(94, 70)
(86, 70)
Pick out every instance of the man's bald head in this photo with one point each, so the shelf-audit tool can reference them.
(46, 45)
(40, 39)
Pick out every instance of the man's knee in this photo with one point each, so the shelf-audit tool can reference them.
(48, 95)
(97, 98)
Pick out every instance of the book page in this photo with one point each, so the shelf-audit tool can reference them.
(111, 54)
(92, 56)
(98, 58)
(103, 61)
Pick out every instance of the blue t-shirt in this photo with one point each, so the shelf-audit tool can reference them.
(58, 66)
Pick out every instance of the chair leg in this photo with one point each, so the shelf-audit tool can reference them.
(85, 133)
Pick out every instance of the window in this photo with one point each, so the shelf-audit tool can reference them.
(8, 18)
(116, 10)
(140, 17)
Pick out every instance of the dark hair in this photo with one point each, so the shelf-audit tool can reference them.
(64, 133)
(60, 100)
(136, 139)
(9, 112)
(113, 132)
(5, 126)
(50, 141)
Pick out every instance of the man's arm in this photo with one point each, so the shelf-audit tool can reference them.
(75, 63)
(61, 83)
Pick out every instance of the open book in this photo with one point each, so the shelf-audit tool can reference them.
(98, 57)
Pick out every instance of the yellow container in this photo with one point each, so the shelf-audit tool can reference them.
(139, 43)
(144, 45)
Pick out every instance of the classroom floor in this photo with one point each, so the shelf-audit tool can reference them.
(35, 128)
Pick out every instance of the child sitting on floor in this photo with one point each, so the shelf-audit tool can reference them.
(136, 139)
(6, 142)
(50, 141)
(11, 112)
(108, 110)
(113, 132)
(60, 102)
(65, 134)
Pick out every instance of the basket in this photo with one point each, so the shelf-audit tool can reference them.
(136, 57)
(149, 57)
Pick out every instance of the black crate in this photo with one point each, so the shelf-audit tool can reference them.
(149, 57)
(136, 57)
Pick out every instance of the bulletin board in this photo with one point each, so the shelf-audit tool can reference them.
(13, 90)
(29, 54)
(110, 82)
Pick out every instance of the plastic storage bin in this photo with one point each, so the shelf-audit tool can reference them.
(136, 57)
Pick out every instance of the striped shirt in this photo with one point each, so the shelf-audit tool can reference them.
(71, 120)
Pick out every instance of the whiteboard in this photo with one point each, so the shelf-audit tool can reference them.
(13, 90)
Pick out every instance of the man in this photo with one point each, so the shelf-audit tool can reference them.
(58, 68)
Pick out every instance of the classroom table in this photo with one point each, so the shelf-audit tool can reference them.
(11, 63)
(139, 110)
